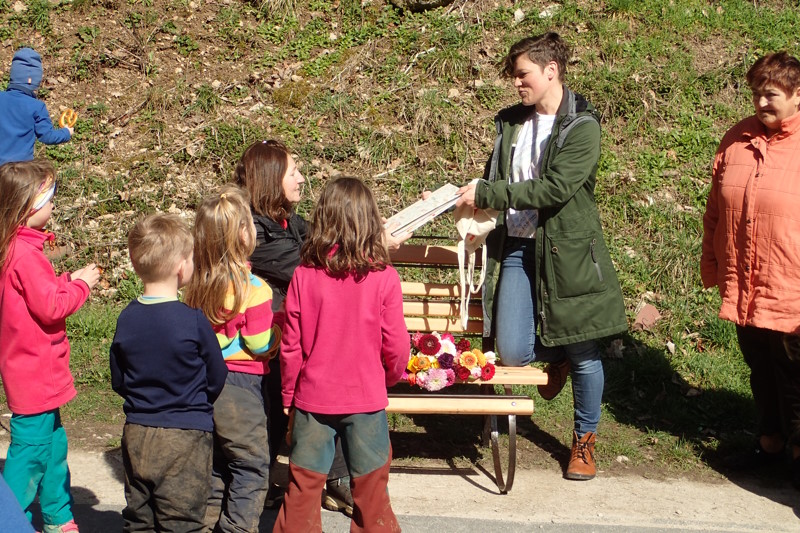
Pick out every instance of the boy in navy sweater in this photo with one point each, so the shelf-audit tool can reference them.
(25, 118)
(167, 365)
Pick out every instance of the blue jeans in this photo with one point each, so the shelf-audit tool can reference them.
(515, 326)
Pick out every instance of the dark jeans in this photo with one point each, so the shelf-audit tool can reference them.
(241, 455)
(774, 361)
(279, 422)
(167, 478)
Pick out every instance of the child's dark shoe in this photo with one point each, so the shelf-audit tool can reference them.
(336, 496)
(275, 495)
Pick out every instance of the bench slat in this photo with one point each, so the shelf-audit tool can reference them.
(443, 308)
(424, 254)
(475, 404)
(510, 375)
(444, 290)
(450, 325)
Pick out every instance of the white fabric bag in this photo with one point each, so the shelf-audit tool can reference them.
(473, 226)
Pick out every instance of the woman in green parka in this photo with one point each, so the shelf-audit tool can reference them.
(551, 288)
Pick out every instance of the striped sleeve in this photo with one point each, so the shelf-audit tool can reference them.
(258, 332)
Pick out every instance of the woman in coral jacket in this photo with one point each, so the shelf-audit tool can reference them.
(751, 252)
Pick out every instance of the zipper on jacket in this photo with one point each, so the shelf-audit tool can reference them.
(543, 322)
(594, 260)
(511, 162)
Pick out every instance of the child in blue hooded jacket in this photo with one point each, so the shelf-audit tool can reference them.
(25, 118)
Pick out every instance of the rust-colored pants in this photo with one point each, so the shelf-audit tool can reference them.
(365, 440)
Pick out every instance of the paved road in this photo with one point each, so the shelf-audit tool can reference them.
(447, 500)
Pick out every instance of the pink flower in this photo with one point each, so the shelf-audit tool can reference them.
(451, 376)
(448, 337)
(437, 380)
(416, 337)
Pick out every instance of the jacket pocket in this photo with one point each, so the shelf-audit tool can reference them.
(575, 263)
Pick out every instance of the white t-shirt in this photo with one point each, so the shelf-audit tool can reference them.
(527, 165)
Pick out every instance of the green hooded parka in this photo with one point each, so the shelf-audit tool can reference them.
(578, 296)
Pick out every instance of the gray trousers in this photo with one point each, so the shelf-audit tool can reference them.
(167, 478)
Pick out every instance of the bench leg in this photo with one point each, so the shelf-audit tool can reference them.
(491, 434)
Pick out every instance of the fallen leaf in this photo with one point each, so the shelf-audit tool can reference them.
(646, 318)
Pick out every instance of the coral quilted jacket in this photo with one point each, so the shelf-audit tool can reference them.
(751, 227)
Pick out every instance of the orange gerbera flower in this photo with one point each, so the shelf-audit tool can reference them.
(468, 359)
(422, 363)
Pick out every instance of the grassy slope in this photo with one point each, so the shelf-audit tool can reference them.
(169, 93)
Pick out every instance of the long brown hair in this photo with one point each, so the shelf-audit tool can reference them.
(260, 170)
(19, 183)
(221, 253)
(346, 235)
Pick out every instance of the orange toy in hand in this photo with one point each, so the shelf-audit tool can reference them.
(68, 118)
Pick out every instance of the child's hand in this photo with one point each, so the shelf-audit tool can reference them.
(90, 274)
(71, 131)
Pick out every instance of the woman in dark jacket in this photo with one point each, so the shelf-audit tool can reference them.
(267, 170)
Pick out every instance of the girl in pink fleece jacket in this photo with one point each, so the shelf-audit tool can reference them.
(34, 351)
(344, 342)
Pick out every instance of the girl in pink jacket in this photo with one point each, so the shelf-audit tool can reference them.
(34, 351)
(344, 342)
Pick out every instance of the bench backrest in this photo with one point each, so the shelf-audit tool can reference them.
(431, 304)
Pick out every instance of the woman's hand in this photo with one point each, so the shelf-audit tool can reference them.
(467, 197)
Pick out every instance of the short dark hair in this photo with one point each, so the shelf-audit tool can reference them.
(540, 49)
(779, 69)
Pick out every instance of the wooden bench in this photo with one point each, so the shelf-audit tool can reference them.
(435, 306)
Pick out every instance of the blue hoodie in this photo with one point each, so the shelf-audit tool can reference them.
(25, 118)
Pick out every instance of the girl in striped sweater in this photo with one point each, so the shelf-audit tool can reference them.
(239, 307)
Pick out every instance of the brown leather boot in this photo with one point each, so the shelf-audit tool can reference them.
(556, 379)
(581, 462)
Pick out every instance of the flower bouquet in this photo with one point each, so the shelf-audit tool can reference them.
(438, 361)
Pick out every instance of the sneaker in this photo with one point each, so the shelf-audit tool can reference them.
(581, 462)
(556, 379)
(336, 496)
(69, 527)
(754, 458)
